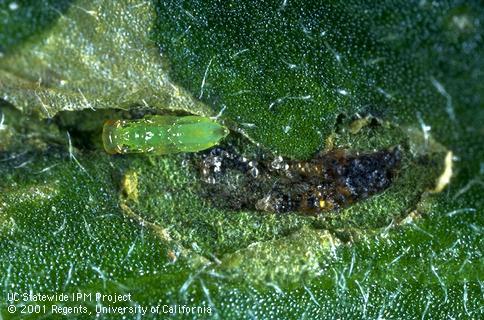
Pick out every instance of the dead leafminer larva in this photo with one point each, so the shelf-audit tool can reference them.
(327, 182)
(162, 134)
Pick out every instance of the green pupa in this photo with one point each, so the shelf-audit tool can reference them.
(162, 134)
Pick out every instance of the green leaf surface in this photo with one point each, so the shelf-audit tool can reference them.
(97, 55)
(290, 78)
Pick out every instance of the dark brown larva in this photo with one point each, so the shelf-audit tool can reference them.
(327, 182)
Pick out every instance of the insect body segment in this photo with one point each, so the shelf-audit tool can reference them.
(162, 134)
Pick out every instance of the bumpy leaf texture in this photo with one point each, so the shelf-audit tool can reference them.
(289, 75)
